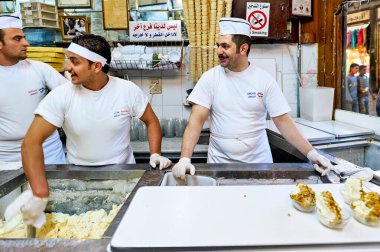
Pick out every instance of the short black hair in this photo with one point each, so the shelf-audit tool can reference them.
(361, 67)
(2, 36)
(240, 40)
(354, 65)
(96, 44)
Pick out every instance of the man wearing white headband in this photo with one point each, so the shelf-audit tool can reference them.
(24, 83)
(237, 96)
(95, 111)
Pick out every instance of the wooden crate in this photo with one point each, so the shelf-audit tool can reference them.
(38, 14)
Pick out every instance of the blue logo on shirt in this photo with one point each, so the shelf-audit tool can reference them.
(42, 90)
(251, 94)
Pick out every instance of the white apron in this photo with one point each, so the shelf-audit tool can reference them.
(253, 148)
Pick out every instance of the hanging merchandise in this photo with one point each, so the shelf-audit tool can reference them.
(349, 34)
(353, 38)
(360, 37)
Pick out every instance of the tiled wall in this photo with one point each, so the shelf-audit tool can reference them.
(169, 104)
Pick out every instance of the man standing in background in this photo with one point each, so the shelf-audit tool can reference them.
(352, 101)
(24, 83)
(364, 90)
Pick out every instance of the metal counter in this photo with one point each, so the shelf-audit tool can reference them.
(242, 174)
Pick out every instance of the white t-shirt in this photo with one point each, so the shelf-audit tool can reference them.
(22, 87)
(238, 103)
(96, 123)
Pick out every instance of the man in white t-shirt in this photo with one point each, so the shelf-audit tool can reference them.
(95, 111)
(24, 83)
(237, 96)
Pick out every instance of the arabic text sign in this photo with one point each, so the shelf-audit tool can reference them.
(258, 17)
(155, 30)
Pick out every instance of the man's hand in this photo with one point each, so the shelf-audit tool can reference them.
(320, 163)
(184, 165)
(156, 159)
(32, 209)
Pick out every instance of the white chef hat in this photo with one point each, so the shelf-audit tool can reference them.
(86, 53)
(11, 21)
(238, 26)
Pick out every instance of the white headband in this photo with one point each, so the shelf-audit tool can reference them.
(85, 53)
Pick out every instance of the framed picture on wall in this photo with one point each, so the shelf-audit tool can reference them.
(115, 14)
(73, 4)
(72, 26)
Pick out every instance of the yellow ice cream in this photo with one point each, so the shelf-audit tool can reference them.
(89, 225)
(368, 207)
(352, 190)
(328, 208)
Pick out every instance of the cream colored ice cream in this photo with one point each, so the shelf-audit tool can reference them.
(13, 228)
(89, 225)
(328, 209)
(352, 190)
(367, 209)
(304, 196)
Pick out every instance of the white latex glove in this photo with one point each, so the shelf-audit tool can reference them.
(320, 163)
(156, 159)
(184, 165)
(31, 207)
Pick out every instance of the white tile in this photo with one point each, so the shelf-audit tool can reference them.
(136, 80)
(171, 72)
(268, 65)
(293, 112)
(255, 51)
(172, 112)
(279, 79)
(274, 52)
(151, 73)
(171, 90)
(154, 99)
(158, 111)
(289, 87)
(289, 59)
(310, 58)
(309, 80)
(132, 73)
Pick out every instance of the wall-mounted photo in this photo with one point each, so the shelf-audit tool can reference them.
(73, 4)
(72, 26)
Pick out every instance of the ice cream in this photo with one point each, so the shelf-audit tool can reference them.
(367, 209)
(304, 196)
(89, 225)
(13, 228)
(352, 190)
(328, 210)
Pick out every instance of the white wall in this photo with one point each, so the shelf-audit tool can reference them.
(169, 104)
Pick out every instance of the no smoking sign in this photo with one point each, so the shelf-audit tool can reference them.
(258, 17)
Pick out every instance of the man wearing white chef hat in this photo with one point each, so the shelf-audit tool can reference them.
(95, 111)
(24, 83)
(237, 96)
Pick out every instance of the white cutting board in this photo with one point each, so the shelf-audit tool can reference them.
(228, 216)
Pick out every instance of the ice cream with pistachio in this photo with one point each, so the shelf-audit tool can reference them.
(352, 190)
(328, 209)
(304, 196)
(367, 209)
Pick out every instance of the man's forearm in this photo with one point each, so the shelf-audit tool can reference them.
(33, 164)
(190, 139)
(155, 137)
(290, 132)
